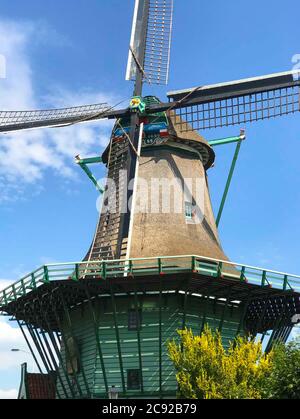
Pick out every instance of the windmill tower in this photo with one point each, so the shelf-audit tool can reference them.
(103, 323)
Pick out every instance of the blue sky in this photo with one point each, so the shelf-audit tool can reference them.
(72, 52)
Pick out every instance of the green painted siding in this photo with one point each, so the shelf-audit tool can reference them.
(172, 320)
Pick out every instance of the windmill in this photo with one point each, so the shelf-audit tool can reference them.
(103, 323)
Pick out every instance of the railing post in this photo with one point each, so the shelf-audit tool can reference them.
(5, 297)
(33, 283)
(76, 272)
(285, 282)
(104, 270)
(131, 267)
(23, 287)
(194, 264)
(14, 292)
(264, 279)
(243, 276)
(160, 266)
(46, 274)
(220, 268)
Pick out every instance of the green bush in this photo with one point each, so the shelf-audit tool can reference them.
(206, 370)
(284, 380)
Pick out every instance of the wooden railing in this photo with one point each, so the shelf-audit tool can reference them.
(104, 270)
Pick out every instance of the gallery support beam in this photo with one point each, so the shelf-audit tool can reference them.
(229, 179)
(83, 163)
(228, 140)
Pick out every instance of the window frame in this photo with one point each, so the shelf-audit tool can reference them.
(188, 209)
(130, 384)
(138, 320)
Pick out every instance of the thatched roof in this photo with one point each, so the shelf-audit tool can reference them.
(181, 131)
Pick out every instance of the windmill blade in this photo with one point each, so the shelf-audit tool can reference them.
(22, 120)
(156, 51)
(238, 102)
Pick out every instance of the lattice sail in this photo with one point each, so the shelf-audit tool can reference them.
(19, 120)
(238, 102)
(158, 40)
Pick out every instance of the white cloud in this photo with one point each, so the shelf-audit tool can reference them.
(295, 333)
(11, 338)
(26, 156)
(4, 283)
(8, 394)
(16, 89)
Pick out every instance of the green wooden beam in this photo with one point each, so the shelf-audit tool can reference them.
(185, 308)
(54, 363)
(244, 313)
(160, 336)
(229, 180)
(61, 361)
(139, 326)
(286, 282)
(224, 309)
(47, 358)
(262, 314)
(115, 316)
(30, 347)
(274, 336)
(56, 348)
(34, 334)
(228, 140)
(92, 160)
(64, 341)
(83, 163)
(205, 308)
(97, 336)
(70, 327)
